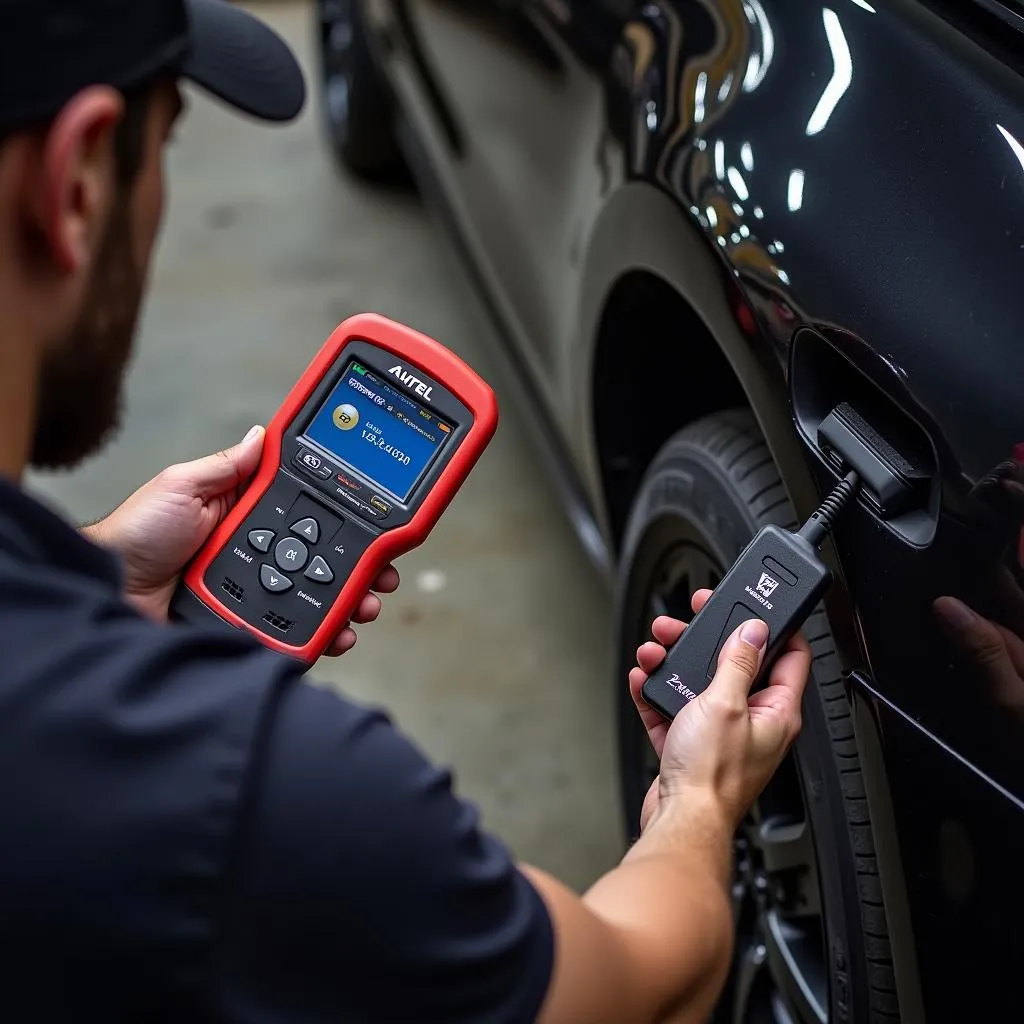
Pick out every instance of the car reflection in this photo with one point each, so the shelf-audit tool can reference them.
(842, 73)
(712, 52)
(986, 632)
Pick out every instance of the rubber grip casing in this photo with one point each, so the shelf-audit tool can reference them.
(437, 362)
(778, 578)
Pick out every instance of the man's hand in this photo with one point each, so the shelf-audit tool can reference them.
(994, 651)
(727, 743)
(652, 939)
(165, 522)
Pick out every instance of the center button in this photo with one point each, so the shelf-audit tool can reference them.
(290, 554)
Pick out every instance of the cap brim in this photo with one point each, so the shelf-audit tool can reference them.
(243, 62)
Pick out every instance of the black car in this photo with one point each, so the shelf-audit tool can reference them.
(702, 227)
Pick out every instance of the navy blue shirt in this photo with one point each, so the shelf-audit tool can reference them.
(190, 831)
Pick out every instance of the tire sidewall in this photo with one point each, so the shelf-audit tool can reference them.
(685, 484)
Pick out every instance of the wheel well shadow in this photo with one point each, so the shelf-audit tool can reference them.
(657, 368)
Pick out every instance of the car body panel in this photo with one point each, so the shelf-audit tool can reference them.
(855, 169)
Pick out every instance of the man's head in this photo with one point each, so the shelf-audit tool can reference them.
(89, 190)
(81, 182)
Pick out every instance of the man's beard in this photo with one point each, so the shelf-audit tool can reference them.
(81, 378)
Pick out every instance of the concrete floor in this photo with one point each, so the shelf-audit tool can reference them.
(494, 655)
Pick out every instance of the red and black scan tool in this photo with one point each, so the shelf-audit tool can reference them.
(358, 464)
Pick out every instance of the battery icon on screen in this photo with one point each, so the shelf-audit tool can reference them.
(444, 427)
(359, 369)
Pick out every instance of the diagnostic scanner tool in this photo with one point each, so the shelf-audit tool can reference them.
(778, 578)
(358, 464)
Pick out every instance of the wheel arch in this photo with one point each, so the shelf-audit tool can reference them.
(643, 248)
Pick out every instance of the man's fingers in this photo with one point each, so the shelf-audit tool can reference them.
(368, 610)
(800, 643)
(1015, 650)
(974, 634)
(787, 681)
(667, 630)
(655, 725)
(649, 656)
(739, 662)
(387, 582)
(223, 471)
(1011, 600)
(343, 642)
(984, 645)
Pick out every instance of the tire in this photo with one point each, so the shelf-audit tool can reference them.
(359, 116)
(804, 859)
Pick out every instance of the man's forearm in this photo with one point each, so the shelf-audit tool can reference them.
(671, 896)
(650, 942)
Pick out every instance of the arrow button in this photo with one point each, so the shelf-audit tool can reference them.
(308, 528)
(319, 571)
(274, 581)
(261, 540)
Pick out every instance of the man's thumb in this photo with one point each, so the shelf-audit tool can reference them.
(215, 474)
(740, 660)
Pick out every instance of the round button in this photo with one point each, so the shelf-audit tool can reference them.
(290, 554)
(346, 417)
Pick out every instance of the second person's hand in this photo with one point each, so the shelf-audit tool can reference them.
(726, 744)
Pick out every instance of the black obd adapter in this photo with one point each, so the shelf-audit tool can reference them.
(778, 578)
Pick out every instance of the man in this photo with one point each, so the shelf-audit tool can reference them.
(190, 831)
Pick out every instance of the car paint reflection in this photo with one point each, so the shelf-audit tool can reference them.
(761, 178)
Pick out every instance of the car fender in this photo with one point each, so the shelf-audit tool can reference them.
(641, 228)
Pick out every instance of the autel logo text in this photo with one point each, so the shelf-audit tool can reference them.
(411, 382)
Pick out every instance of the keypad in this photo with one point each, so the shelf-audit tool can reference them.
(290, 555)
(285, 567)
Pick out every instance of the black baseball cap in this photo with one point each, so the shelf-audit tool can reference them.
(51, 49)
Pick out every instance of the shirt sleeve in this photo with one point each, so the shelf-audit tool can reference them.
(363, 889)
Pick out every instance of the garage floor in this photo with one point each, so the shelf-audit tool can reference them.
(494, 654)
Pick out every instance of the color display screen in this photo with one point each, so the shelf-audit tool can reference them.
(378, 431)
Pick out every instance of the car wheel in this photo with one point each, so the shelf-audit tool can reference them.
(357, 109)
(811, 942)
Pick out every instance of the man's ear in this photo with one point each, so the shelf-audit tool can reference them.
(72, 200)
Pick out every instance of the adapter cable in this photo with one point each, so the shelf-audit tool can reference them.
(778, 578)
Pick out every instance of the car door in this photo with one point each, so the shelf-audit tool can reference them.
(929, 354)
(526, 111)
